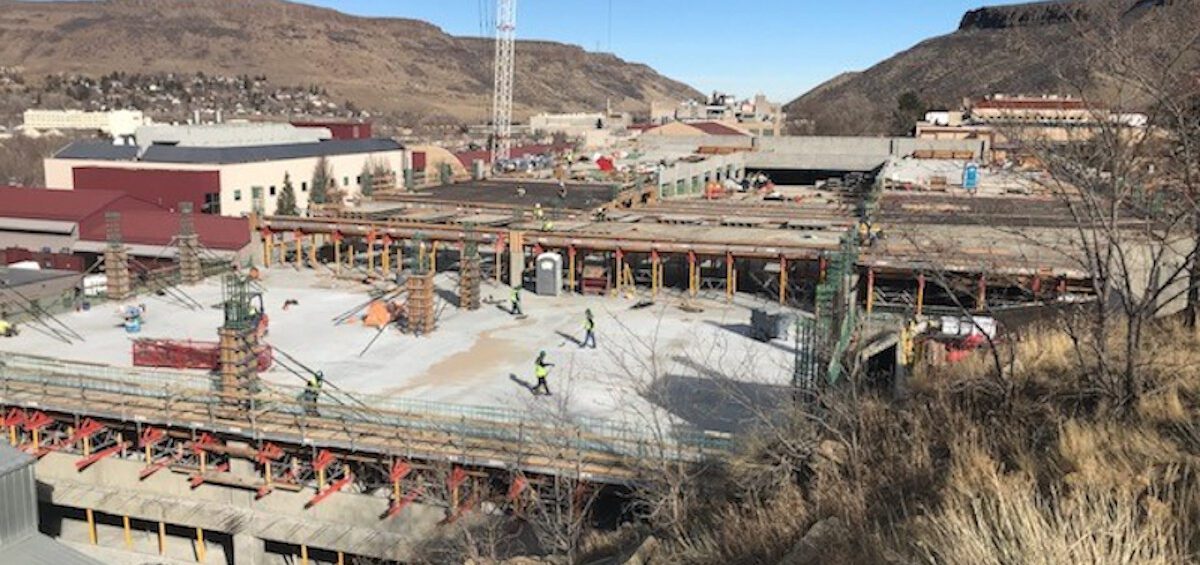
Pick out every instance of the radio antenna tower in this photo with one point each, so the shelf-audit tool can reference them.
(502, 100)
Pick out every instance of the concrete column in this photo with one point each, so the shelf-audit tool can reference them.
(516, 259)
(249, 550)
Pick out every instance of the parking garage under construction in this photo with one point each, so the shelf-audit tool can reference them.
(364, 378)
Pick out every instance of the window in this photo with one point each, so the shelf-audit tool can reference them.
(304, 186)
(272, 190)
(345, 181)
(212, 204)
(358, 180)
(237, 196)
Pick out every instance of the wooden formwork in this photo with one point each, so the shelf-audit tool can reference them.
(421, 315)
(470, 278)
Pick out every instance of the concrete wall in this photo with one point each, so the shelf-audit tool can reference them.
(689, 178)
(690, 143)
(848, 153)
(345, 521)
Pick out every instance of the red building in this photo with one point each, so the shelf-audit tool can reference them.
(341, 130)
(66, 229)
(164, 188)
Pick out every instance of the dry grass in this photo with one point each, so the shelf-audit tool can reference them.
(972, 469)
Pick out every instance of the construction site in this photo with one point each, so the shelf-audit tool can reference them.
(365, 378)
(368, 371)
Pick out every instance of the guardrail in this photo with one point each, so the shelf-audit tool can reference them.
(181, 396)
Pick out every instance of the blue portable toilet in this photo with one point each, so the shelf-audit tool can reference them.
(971, 176)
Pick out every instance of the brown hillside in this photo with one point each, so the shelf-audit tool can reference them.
(384, 64)
(1027, 48)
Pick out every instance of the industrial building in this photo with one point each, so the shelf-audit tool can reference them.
(117, 124)
(226, 169)
(70, 229)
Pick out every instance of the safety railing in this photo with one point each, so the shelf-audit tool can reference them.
(582, 434)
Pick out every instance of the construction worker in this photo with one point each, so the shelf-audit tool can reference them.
(7, 329)
(516, 302)
(541, 370)
(589, 328)
(312, 392)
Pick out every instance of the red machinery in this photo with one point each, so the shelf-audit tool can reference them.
(187, 354)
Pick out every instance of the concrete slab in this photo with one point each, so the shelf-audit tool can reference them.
(483, 358)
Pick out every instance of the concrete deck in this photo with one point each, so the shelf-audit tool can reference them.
(483, 358)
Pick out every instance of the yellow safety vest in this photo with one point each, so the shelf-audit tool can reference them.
(4, 326)
(541, 371)
(588, 324)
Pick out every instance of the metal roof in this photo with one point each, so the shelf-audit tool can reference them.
(102, 151)
(60, 205)
(13, 459)
(19, 277)
(41, 550)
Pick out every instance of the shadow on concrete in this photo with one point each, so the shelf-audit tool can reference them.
(524, 384)
(718, 405)
(709, 401)
(569, 338)
(747, 331)
(449, 296)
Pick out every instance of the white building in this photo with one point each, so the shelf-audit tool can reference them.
(231, 170)
(116, 123)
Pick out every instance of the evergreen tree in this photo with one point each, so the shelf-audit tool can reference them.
(286, 204)
(368, 184)
(322, 175)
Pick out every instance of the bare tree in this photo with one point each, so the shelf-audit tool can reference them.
(1131, 189)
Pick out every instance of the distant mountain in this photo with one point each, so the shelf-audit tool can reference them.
(382, 64)
(1001, 49)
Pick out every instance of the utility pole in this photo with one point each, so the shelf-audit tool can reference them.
(502, 101)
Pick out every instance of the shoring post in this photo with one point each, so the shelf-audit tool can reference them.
(620, 259)
(400, 255)
(981, 300)
(91, 523)
(655, 270)
(822, 268)
(692, 273)
(920, 293)
(371, 251)
(870, 290)
(783, 279)
(303, 554)
(341, 558)
(268, 247)
(386, 257)
(312, 252)
(729, 290)
(298, 236)
(433, 251)
(128, 532)
(571, 267)
(1035, 286)
(162, 537)
(201, 550)
(337, 252)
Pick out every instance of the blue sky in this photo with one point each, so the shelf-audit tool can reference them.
(779, 47)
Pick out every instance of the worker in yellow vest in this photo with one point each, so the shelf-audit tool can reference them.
(541, 370)
(589, 329)
(7, 329)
